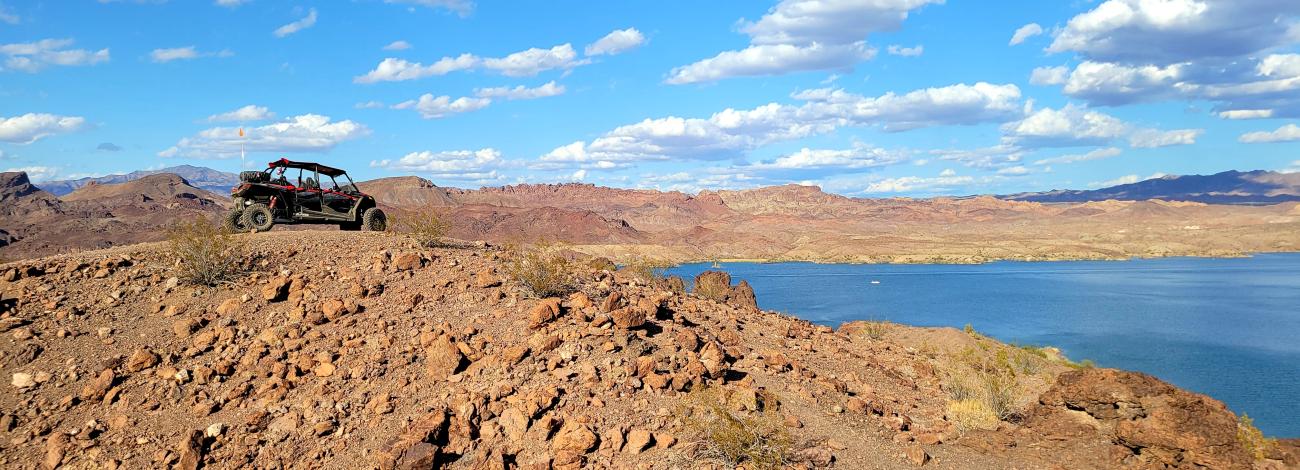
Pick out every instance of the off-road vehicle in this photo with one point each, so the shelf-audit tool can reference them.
(310, 193)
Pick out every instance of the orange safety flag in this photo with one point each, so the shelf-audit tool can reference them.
(241, 132)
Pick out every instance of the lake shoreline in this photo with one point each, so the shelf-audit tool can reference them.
(1214, 325)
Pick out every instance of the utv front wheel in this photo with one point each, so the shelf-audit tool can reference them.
(374, 220)
(258, 217)
(234, 222)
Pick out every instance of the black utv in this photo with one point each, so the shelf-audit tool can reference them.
(289, 192)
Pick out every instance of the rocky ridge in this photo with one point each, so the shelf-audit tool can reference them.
(363, 350)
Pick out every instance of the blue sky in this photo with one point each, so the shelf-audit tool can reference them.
(862, 97)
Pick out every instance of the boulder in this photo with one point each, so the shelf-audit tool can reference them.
(444, 358)
(544, 312)
(1156, 423)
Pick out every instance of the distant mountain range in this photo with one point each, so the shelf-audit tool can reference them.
(790, 222)
(218, 182)
(1229, 187)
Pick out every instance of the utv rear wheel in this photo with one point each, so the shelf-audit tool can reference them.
(258, 217)
(374, 220)
(234, 222)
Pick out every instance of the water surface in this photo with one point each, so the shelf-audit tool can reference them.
(1229, 328)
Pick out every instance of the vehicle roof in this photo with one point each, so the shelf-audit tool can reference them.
(322, 169)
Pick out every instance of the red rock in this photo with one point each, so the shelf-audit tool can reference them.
(443, 358)
(407, 262)
(917, 455)
(628, 318)
(544, 312)
(140, 360)
(276, 289)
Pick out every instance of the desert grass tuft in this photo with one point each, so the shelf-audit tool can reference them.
(205, 253)
(972, 415)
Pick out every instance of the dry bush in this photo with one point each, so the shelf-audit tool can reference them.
(542, 269)
(601, 263)
(758, 440)
(971, 414)
(427, 226)
(206, 254)
(647, 269)
(999, 393)
(875, 329)
(1253, 439)
(712, 288)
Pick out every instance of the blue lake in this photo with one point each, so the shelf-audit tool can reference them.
(1229, 328)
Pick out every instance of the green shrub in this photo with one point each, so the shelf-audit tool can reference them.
(205, 253)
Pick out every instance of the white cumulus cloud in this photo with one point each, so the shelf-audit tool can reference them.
(431, 107)
(244, 114)
(733, 132)
(860, 156)
(803, 35)
(1065, 127)
(451, 164)
(1025, 32)
(905, 51)
(1152, 138)
(616, 42)
(33, 57)
(307, 133)
(524, 63)
(521, 92)
(1049, 75)
(32, 127)
(1286, 133)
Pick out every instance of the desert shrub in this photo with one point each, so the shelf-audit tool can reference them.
(542, 269)
(1252, 438)
(425, 226)
(601, 263)
(959, 388)
(205, 253)
(712, 287)
(647, 269)
(758, 440)
(999, 393)
(1026, 362)
(874, 329)
(970, 415)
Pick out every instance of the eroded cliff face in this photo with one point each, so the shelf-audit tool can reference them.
(348, 350)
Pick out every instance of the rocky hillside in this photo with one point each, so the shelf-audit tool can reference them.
(359, 350)
(36, 223)
(1229, 187)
